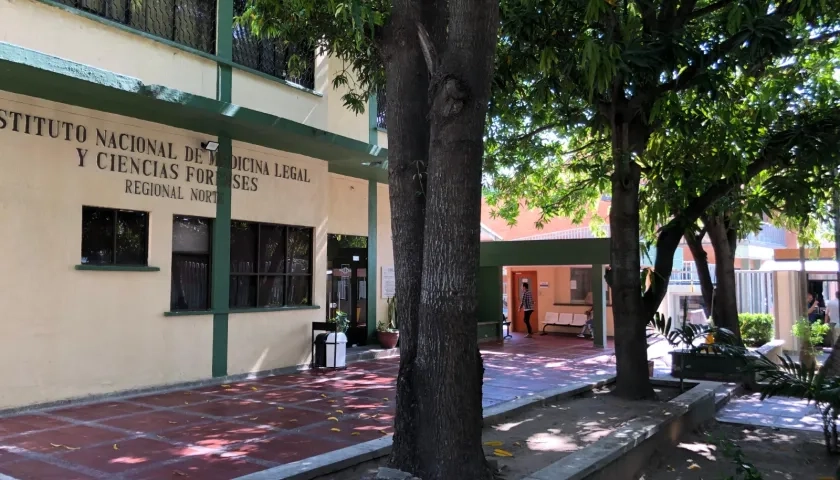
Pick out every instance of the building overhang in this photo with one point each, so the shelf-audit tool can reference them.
(811, 266)
(35, 74)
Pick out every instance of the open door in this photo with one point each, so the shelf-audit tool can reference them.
(517, 315)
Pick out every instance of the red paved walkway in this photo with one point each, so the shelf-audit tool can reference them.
(222, 432)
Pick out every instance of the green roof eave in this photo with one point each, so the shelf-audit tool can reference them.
(36, 74)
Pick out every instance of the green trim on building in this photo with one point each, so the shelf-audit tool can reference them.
(219, 59)
(192, 313)
(372, 267)
(489, 288)
(588, 251)
(220, 281)
(32, 73)
(187, 313)
(599, 307)
(117, 268)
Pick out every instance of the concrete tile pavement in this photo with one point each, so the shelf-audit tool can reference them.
(226, 431)
(776, 412)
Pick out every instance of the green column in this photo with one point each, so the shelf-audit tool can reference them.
(489, 285)
(599, 306)
(372, 267)
(221, 226)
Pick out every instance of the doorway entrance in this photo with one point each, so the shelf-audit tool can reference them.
(518, 316)
(347, 258)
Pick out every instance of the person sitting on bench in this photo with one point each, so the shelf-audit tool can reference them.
(587, 328)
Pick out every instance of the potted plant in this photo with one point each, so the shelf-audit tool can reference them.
(809, 335)
(342, 320)
(386, 331)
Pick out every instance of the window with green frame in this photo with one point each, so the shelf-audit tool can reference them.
(270, 265)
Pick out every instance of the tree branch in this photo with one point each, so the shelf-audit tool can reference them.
(536, 131)
(713, 7)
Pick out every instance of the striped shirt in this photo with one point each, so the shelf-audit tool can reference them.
(527, 300)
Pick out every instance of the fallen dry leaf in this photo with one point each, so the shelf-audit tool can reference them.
(225, 386)
(355, 434)
(254, 418)
(255, 389)
(493, 444)
(383, 432)
(173, 423)
(516, 444)
(293, 420)
(323, 396)
(116, 447)
(280, 408)
(502, 453)
(335, 429)
(179, 473)
(694, 466)
(333, 419)
(339, 411)
(386, 399)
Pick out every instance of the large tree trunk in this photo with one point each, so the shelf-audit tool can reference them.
(448, 369)
(632, 379)
(724, 242)
(408, 146)
(704, 273)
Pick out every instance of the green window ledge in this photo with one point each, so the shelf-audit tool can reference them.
(117, 268)
(273, 309)
(187, 313)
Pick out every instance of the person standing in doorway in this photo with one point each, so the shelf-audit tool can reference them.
(813, 308)
(527, 305)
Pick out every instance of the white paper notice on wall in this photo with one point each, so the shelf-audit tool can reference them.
(543, 284)
(573, 285)
(389, 282)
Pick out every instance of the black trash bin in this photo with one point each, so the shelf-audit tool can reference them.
(320, 358)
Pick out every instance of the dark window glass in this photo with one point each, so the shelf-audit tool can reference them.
(299, 290)
(243, 291)
(300, 250)
(132, 237)
(97, 236)
(292, 62)
(267, 263)
(114, 237)
(191, 257)
(271, 291)
(243, 247)
(188, 22)
(272, 249)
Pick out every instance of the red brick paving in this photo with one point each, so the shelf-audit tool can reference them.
(226, 431)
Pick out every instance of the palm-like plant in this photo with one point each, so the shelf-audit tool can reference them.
(725, 342)
(794, 379)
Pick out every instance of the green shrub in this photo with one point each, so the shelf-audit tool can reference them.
(756, 328)
(816, 331)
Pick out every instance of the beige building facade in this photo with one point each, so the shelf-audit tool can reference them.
(168, 212)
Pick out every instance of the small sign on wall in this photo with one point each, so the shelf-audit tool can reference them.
(543, 284)
(389, 282)
(573, 285)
